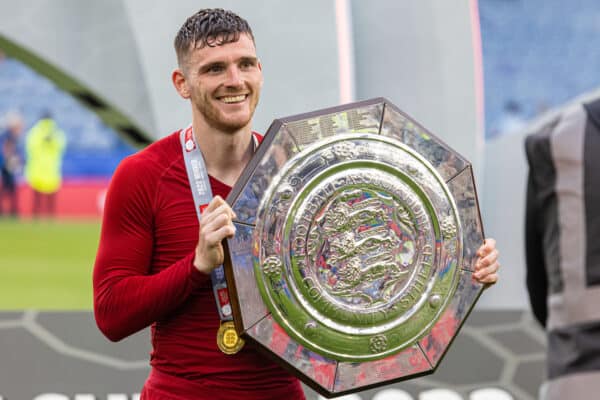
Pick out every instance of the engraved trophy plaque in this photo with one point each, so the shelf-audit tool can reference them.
(356, 238)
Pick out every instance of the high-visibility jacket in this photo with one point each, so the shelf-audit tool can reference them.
(44, 147)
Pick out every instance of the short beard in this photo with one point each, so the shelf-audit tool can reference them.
(211, 115)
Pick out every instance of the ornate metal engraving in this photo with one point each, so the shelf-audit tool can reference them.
(357, 244)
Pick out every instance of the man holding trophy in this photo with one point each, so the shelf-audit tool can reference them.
(165, 220)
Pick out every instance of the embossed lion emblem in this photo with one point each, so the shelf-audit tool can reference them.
(367, 246)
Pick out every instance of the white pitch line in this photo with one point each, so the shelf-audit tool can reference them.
(45, 336)
(11, 325)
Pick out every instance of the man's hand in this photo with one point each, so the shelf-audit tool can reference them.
(487, 265)
(216, 224)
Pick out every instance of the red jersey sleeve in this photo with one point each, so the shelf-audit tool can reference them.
(128, 296)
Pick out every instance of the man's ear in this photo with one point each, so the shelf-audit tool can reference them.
(262, 79)
(180, 83)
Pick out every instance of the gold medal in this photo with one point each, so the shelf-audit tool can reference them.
(228, 340)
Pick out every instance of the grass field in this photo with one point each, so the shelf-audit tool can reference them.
(47, 265)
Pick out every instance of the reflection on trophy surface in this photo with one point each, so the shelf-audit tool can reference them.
(357, 232)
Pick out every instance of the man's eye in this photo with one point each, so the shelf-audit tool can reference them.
(215, 69)
(246, 64)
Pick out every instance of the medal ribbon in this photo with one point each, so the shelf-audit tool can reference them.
(200, 186)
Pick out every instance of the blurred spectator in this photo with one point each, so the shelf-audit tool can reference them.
(563, 251)
(45, 147)
(10, 164)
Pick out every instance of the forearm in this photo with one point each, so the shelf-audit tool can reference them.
(126, 302)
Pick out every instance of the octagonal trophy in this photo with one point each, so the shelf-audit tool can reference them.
(357, 232)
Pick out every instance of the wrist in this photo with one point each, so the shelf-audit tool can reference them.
(201, 266)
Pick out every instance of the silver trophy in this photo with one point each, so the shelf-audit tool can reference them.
(355, 247)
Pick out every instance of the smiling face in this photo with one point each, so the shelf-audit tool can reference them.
(223, 83)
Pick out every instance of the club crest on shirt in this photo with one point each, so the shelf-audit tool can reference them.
(189, 140)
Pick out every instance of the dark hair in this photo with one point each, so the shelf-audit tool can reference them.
(210, 27)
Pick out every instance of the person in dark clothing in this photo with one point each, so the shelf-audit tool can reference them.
(10, 165)
(562, 248)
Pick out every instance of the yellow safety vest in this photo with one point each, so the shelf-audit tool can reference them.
(44, 147)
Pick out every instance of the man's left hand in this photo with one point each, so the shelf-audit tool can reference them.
(487, 265)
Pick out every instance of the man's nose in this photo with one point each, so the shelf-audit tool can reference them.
(234, 77)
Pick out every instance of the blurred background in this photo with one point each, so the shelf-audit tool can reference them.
(476, 73)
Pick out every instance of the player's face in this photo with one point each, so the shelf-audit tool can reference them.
(224, 83)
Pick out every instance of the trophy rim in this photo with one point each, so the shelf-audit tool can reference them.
(465, 267)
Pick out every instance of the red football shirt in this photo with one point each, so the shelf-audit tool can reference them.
(144, 276)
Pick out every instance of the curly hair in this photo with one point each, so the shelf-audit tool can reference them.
(210, 27)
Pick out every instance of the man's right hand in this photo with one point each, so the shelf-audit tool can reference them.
(216, 224)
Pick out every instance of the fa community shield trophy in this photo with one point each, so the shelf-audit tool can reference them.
(356, 238)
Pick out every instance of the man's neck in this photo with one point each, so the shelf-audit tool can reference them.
(225, 154)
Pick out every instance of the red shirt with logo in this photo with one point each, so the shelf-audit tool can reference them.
(144, 276)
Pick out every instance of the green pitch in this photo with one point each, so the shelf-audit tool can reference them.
(47, 265)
